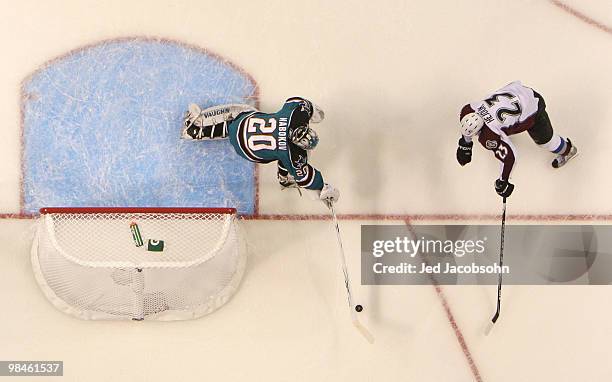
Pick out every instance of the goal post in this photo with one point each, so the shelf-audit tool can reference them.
(138, 263)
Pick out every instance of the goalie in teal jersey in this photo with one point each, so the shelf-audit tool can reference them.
(284, 137)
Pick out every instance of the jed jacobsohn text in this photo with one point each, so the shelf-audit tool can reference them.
(439, 268)
(410, 247)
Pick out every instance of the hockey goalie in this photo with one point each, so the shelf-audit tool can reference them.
(284, 137)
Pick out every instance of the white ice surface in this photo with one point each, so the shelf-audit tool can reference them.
(391, 78)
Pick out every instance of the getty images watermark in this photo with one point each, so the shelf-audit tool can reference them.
(408, 247)
(469, 254)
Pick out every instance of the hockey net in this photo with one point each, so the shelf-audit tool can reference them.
(138, 263)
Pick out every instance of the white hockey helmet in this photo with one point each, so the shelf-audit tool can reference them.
(471, 124)
(304, 137)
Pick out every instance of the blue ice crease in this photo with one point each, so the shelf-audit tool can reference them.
(102, 126)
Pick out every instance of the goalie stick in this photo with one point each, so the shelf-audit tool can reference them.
(501, 263)
(347, 283)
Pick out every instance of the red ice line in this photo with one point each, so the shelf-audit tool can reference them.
(451, 319)
(390, 217)
(436, 217)
(582, 16)
(458, 334)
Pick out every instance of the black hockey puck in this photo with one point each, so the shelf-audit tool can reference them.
(358, 308)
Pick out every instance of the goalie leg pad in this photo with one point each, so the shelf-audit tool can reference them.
(210, 123)
(217, 131)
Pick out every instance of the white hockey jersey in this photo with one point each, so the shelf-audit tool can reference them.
(510, 105)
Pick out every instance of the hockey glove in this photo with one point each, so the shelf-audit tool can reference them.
(329, 195)
(503, 188)
(286, 181)
(464, 152)
(318, 114)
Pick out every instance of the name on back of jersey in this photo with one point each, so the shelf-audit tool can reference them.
(484, 113)
(282, 133)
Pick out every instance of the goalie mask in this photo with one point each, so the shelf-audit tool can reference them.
(304, 137)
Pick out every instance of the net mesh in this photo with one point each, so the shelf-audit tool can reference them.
(95, 265)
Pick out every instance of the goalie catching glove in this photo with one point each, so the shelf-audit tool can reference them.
(329, 195)
(287, 181)
(317, 114)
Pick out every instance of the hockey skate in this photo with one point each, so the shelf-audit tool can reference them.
(561, 160)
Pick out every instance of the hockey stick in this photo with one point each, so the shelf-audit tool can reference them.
(501, 263)
(347, 283)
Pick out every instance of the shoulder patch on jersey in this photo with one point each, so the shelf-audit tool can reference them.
(491, 144)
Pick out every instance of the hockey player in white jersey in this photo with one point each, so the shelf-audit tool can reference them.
(513, 109)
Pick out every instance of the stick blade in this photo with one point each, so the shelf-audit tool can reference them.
(495, 317)
(491, 324)
(364, 331)
(489, 327)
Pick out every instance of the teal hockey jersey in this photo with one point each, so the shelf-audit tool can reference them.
(264, 138)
